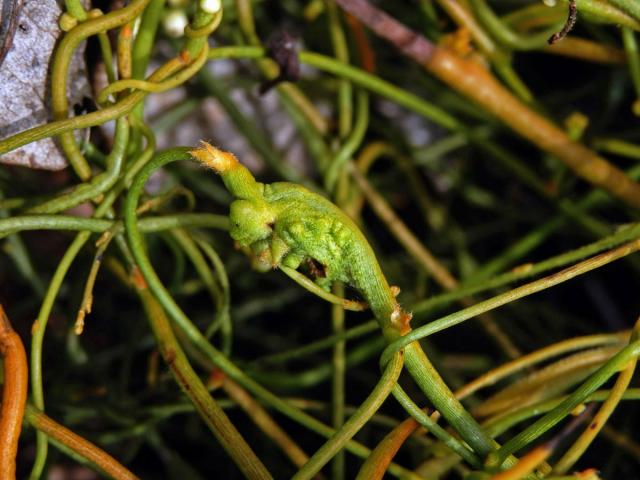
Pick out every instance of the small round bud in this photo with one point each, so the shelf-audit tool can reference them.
(174, 23)
(210, 6)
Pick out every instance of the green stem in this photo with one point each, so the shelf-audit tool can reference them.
(314, 288)
(418, 105)
(18, 252)
(501, 423)
(319, 345)
(215, 418)
(362, 414)
(633, 57)
(115, 163)
(436, 430)
(338, 391)
(107, 56)
(295, 381)
(75, 9)
(219, 297)
(380, 87)
(141, 53)
(223, 321)
(565, 407)
(341, 51)
(37, 339)
(437, 391)
(154, 87)
(124, 106)
(352, 143)
(96, 225)
(60, 71)
(617, 146)
(99, 184)
(510, 296)
(607, 12)
(501, 31)
(575, 452)
(624, 235)
(630, 7)
(421, 308)
(144, 41)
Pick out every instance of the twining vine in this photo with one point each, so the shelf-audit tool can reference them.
(311, 227)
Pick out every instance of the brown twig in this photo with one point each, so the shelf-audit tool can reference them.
(475, 82)
(14, 396)
(78, 445)
(568, 25)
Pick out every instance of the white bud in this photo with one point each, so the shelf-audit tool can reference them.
(210, 6)
(174, 23)
(549, 3)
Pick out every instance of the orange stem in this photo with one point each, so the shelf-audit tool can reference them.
(366, 53)
(380, 458)
(526, 465)
(14, 396)
(79, 445)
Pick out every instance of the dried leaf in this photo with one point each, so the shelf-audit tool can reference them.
(28, 34)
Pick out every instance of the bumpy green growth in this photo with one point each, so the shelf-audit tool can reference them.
(286, 224)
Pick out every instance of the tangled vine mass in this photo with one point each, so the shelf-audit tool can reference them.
(270, 209)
